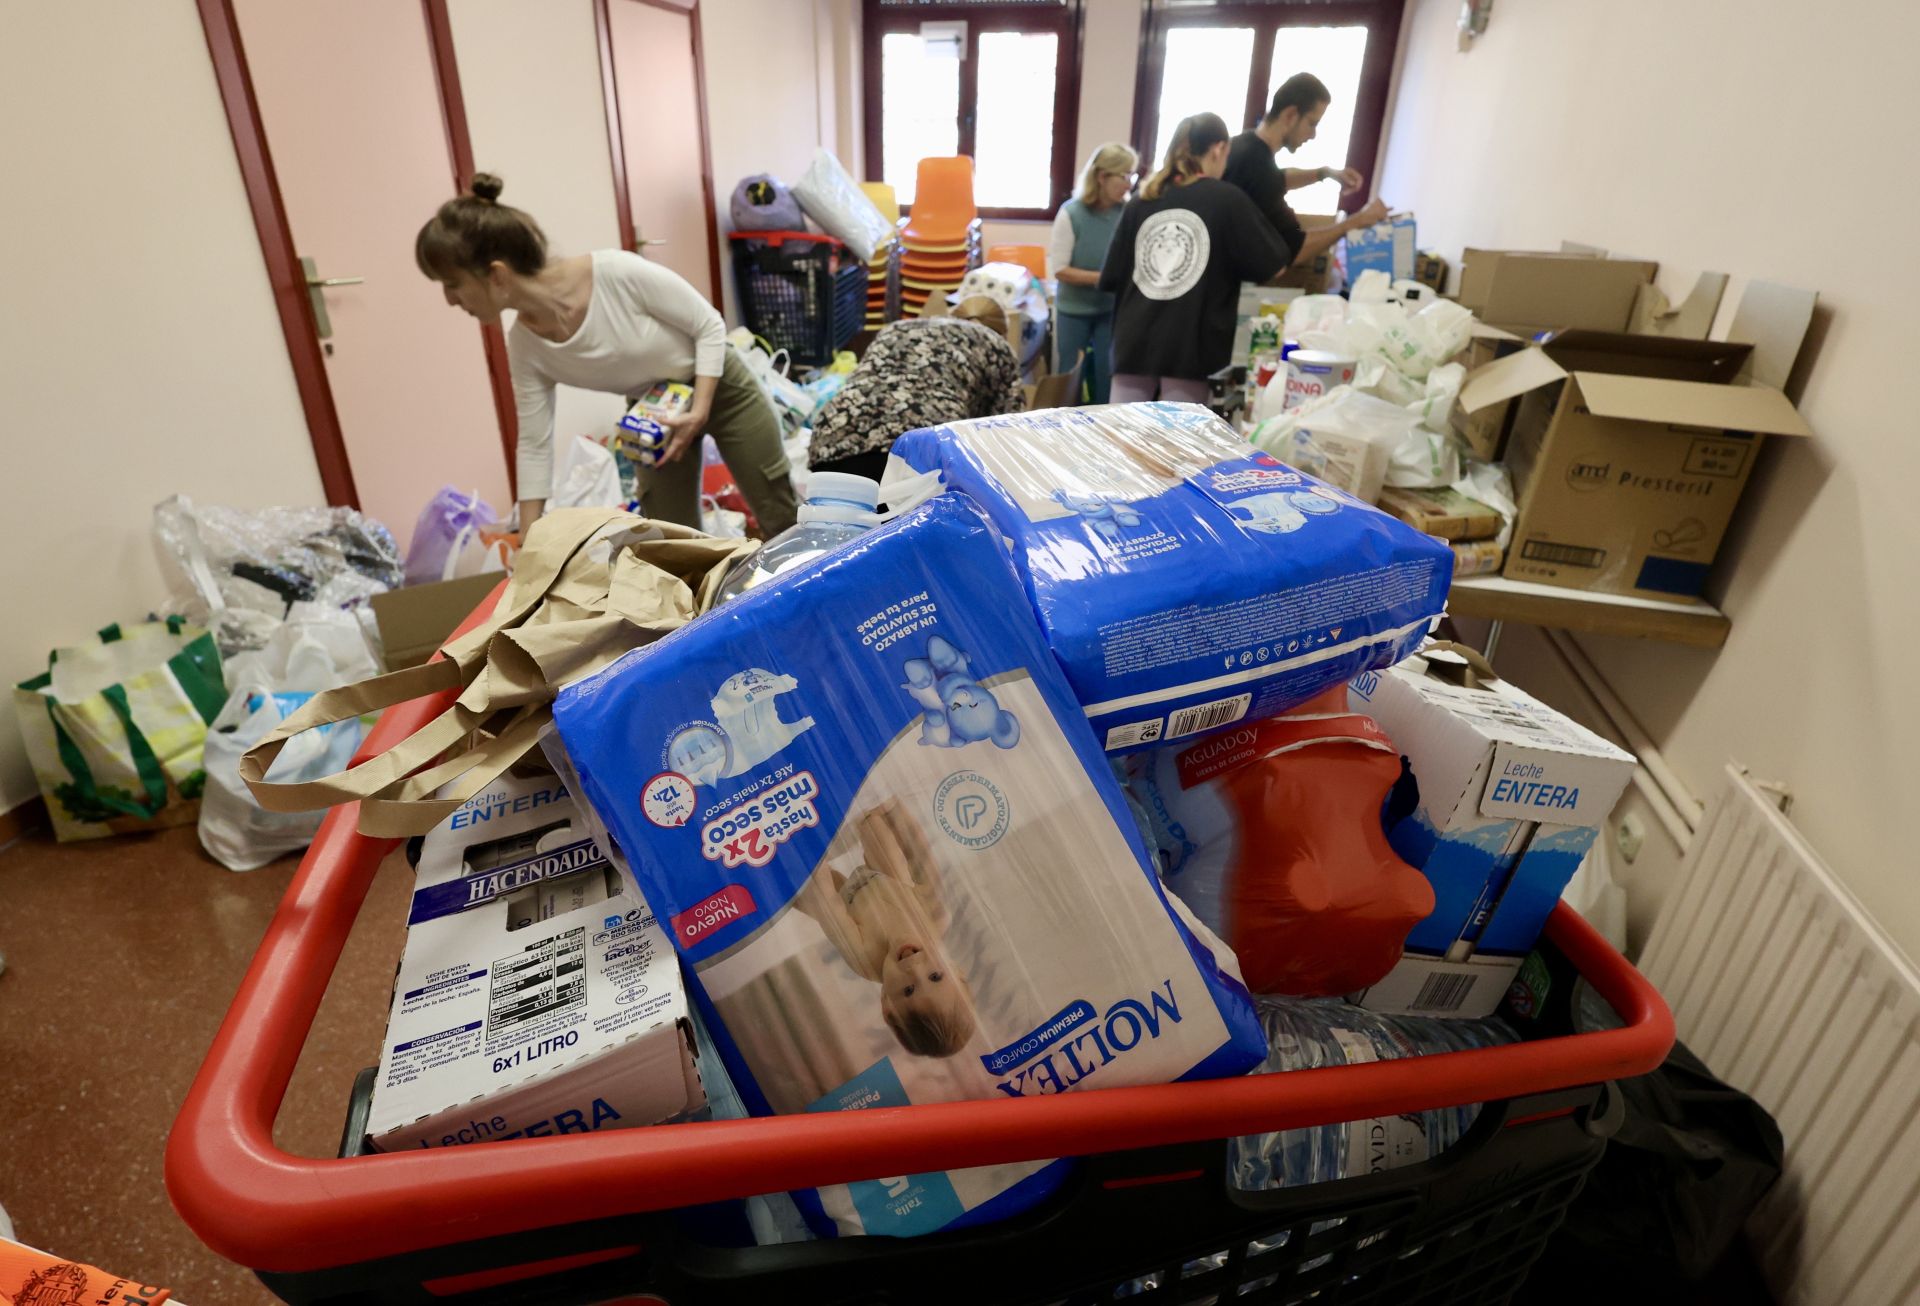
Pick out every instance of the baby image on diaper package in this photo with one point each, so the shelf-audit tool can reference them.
(1184, 579)
(873, 820)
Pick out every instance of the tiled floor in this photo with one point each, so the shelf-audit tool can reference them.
(122, 956)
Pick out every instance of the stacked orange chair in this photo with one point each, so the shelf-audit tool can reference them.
(940, 239)
(883, 286)
(1031, 257)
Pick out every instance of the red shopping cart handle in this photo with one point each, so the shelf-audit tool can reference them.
(260, 1206)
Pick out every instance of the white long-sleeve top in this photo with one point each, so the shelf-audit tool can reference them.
(1060, 243)
(644, 323)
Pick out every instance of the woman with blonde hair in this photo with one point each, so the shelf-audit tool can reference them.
(1182, 249)
(1082, 231)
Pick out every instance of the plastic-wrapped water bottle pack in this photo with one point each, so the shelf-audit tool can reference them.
(1305, 1034)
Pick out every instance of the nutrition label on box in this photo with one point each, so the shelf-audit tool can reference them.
(535, 985)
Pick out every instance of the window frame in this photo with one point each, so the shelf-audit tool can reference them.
(1267, 18)
(1066, 19)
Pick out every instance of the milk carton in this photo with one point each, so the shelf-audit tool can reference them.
(536, 995)
(1510, 794)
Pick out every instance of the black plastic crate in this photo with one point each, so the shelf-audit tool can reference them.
(800, 292)
(1158, 1225)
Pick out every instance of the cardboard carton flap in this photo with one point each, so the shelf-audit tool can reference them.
(1571, 290)
(1774, 320)
(1477, 268)
(1509, 377)
(1690, 403)
(1647, 355)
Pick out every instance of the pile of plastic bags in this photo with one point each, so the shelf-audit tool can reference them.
(237, 571)
(1403, 389)
(1402, 368)
(284, 592)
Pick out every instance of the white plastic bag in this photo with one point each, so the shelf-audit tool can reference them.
(236, 570)
(316, 648)
(791, 401)
(1414, 344)
(1313, 314)
(1371, 287)
(1435, 405)
(834, 199)
(721, 523)
(1375, 376)
(1491, 484)
(587, 476)
(1424, 460)
(798, 446)
(1348, 441)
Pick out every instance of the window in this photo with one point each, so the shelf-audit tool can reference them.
(1229, 58)
(994, 79)
(1205, 71)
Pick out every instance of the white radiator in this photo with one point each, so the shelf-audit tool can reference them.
(1788, 990)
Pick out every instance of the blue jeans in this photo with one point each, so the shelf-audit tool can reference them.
(1094, 335)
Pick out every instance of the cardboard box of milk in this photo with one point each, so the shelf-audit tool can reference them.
(1510, 796)
(536, 994)
(1384, 247)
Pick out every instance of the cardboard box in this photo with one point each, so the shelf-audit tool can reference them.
(1444, 512)
(1485, 430)
(1628, 455)
(1316, 275)
(1384, 247)
(1476, 558)
(416, 620)
(1054, 389)
(1511, 795)
(536, 994)
(1528, 292)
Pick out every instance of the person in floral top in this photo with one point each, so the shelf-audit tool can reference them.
(918, 372)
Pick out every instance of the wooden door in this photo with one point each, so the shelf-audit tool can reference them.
(658, 117)
(351, 108)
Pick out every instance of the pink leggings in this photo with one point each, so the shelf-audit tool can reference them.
(1129, 388)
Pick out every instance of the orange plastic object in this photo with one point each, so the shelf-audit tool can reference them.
(28, 1275)
(942, 201)
(270, 1210)
(1316, 902)
(1031, 257)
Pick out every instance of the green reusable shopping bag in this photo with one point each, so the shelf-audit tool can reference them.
(114, 728)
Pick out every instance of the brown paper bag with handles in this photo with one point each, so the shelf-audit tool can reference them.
(590, 584)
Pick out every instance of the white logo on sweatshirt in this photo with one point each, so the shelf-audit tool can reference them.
(1170, 253)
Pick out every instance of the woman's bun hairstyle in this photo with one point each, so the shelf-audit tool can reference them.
(472, 232)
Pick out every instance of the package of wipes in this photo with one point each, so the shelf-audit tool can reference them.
(869, 812)
(1185, 580)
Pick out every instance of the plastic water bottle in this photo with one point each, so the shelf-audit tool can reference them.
(839, 508)
(1304, 1034)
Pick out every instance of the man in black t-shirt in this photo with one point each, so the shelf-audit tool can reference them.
(1291, 121)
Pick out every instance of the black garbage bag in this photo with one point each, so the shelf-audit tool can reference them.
(1660, 1217)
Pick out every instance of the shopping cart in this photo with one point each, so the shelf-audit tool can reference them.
(1149, 1213)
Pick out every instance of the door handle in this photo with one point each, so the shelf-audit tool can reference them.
(322, 324)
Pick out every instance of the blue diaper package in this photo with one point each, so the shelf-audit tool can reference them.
(1184, 579)
(898, 869)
